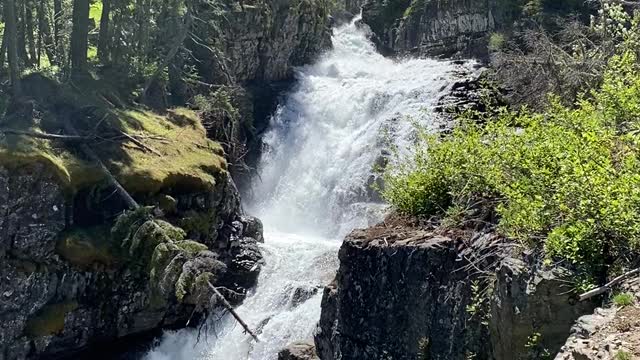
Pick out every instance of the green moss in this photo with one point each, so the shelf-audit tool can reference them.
(191, 247)
(188, 159)
(184, 284)
(128, 222)
(49, 320)
(144, 239)
(198, 223)
(416, 7)
(86, 247)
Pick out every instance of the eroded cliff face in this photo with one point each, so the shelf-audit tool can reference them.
(416, 293)
(435, 27)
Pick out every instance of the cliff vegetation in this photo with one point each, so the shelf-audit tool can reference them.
(562, 180)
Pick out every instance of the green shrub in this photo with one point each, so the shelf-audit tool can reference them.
(566, 180)
(623, 299)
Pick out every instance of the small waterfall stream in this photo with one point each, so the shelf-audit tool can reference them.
(324, 142)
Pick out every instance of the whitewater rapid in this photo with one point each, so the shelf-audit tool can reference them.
(341, 118)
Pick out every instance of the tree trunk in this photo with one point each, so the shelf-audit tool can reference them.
(22, 42)
(30, 33)
(142, 18)
(3, 49)
(44, 37)
(12, 45)
(104, 36)
(80, 37)
(57, 28)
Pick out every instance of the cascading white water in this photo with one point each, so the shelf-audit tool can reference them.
(323, 143)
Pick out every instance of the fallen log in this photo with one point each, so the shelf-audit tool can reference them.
(606, 287)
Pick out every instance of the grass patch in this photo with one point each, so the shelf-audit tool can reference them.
(623, 299)
(623, 355)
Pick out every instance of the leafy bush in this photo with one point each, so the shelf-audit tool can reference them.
(566, 180)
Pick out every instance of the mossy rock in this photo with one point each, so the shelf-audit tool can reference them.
(198, 224)
(86, 247)
(50, 319)
(176, 153)
(191, 247)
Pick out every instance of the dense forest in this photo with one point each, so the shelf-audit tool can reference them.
(140, 40)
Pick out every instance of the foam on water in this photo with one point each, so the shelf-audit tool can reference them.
(321, 148)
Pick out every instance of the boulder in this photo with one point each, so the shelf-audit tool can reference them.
(299, 351)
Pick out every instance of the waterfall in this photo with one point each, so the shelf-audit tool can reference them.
(315, 182)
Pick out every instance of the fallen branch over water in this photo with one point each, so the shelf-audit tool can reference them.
(602, 289)
(228, 306)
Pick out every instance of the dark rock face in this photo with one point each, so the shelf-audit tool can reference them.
(397, 301)
(527, 303)
(266, 39)
(435, 27)
(412, 294)
(54, 304)
(299, 351)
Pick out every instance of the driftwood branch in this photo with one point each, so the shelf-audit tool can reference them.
(602, 289)
(228, 306)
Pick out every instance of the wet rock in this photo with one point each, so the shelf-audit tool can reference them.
(391, 299)
(302, 294)
(246, 263)
(299, 351)
(253, 228)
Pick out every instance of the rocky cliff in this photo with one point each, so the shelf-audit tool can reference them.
(264, 40)
(435, 27)
(255, 51)
(413, 292)
(77, 274)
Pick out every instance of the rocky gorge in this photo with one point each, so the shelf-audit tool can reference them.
(82, 276)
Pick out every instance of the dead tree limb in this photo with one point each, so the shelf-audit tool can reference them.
(33, 134)
(228, 306)
(131, 203)
(602, 289)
